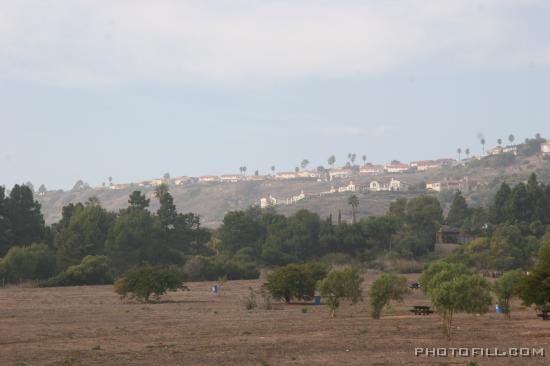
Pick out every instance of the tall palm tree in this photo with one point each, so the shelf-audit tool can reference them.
(353, 157)
(296, 170)
(331, 160)
(244, 170)
(353, 201)
(511, 138)
(482, 140)
(459, 151)
(364, 159)
(273, 169)
(467, 151)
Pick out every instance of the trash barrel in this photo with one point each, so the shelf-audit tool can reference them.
(317, 300)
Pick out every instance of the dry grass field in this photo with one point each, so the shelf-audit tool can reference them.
(91, 326)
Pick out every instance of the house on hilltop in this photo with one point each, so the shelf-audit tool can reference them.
(396, 168)
(392, 185)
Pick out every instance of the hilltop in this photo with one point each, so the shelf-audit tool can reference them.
(325, 191)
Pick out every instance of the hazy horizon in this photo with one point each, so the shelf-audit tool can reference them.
(136, 89)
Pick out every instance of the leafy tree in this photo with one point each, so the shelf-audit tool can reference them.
(295, 281)
(459, 211)
(42, 190)
(506, 287)
(534, 288)
(27, 263)
(25, 219)
(138, 201)
(143, 282)
(93, 270)
(304, 163)
(424, 217)
(386, 288)
(340, 285)
(509, 248)
(201, 268)
(499, 212)
(353, 201)
(454, 289)
(84, 235)
(167, 212)
(6, 235)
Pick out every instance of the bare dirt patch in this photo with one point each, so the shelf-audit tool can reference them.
(89, 325)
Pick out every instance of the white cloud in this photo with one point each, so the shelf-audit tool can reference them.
(95, 42)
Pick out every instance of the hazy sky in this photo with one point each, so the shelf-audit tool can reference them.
(133, 89)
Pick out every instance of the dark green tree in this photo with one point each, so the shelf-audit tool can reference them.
(24, 215)
(138, 201)
(458, 213)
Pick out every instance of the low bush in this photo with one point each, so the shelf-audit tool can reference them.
(93, 270)
(143, 282)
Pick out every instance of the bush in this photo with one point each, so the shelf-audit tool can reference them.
(295, 281)
(340, 285)
(27, 263)
(201, 268)
(93, 270)
(386, 288)
(143, 282)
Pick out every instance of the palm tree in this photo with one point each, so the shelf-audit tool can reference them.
(511, 138)
(482, 140)
(364, 159)
(499, 141)
(244, 170)
(332, 160)
(304, 163)
(353, 201)
(353, 156)
(538, 136)
(296, 170)
(459, 151)
(110, 180)
(273, 169)
(467, 151)
(256, 173)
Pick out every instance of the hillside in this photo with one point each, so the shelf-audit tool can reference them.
(213, 200)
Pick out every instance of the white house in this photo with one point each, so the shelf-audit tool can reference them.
(371, 169)
(209, 178)
(545, 148)
(285, 175)
(156, 182)
(396, 185)
(232, 178)
(296, 198)
(423, 165)
(181, 180)
(375, 186)
(396, 168)
(340, 173)
(349, 188)
(268, 201)
(307, 174)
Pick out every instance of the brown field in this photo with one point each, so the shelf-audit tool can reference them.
(62, 326)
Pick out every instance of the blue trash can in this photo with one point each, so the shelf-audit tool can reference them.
(317, 300)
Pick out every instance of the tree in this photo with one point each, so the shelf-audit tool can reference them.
(331, 160)
(506, 287)
(25, 219)
(93, 270)
(459, 151)
(296, 170)
(534, 288)
(511, 138)
(42, 190)
(387, 287)
(499, 212)
(137, 200)
(423, 218)
(467, 152)
(295, 281)
(459, 211)
(143, 282)
(454, 289)
(85, 234)
(338, 285)
(273, 169)
(364, 157)
(304, 163)
(110, 179)
(6, 235)
(353, 201)
(166, 177)
(27, 263)
(482, 140)
(256, 173)
(499, 142)
(167, 212)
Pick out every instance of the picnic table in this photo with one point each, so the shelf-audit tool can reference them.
(544, 314)
(421, 310)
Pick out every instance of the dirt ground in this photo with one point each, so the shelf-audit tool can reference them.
(89, 325)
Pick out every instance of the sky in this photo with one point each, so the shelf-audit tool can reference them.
(135, 88)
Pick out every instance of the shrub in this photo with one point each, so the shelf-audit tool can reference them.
(386, 288)
(506, 287)
(93, 270)
(143, 282)
(295, 281)
(340, 285)
(27, 263)
(250, 301)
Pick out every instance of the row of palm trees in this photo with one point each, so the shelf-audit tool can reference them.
(511, 138)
